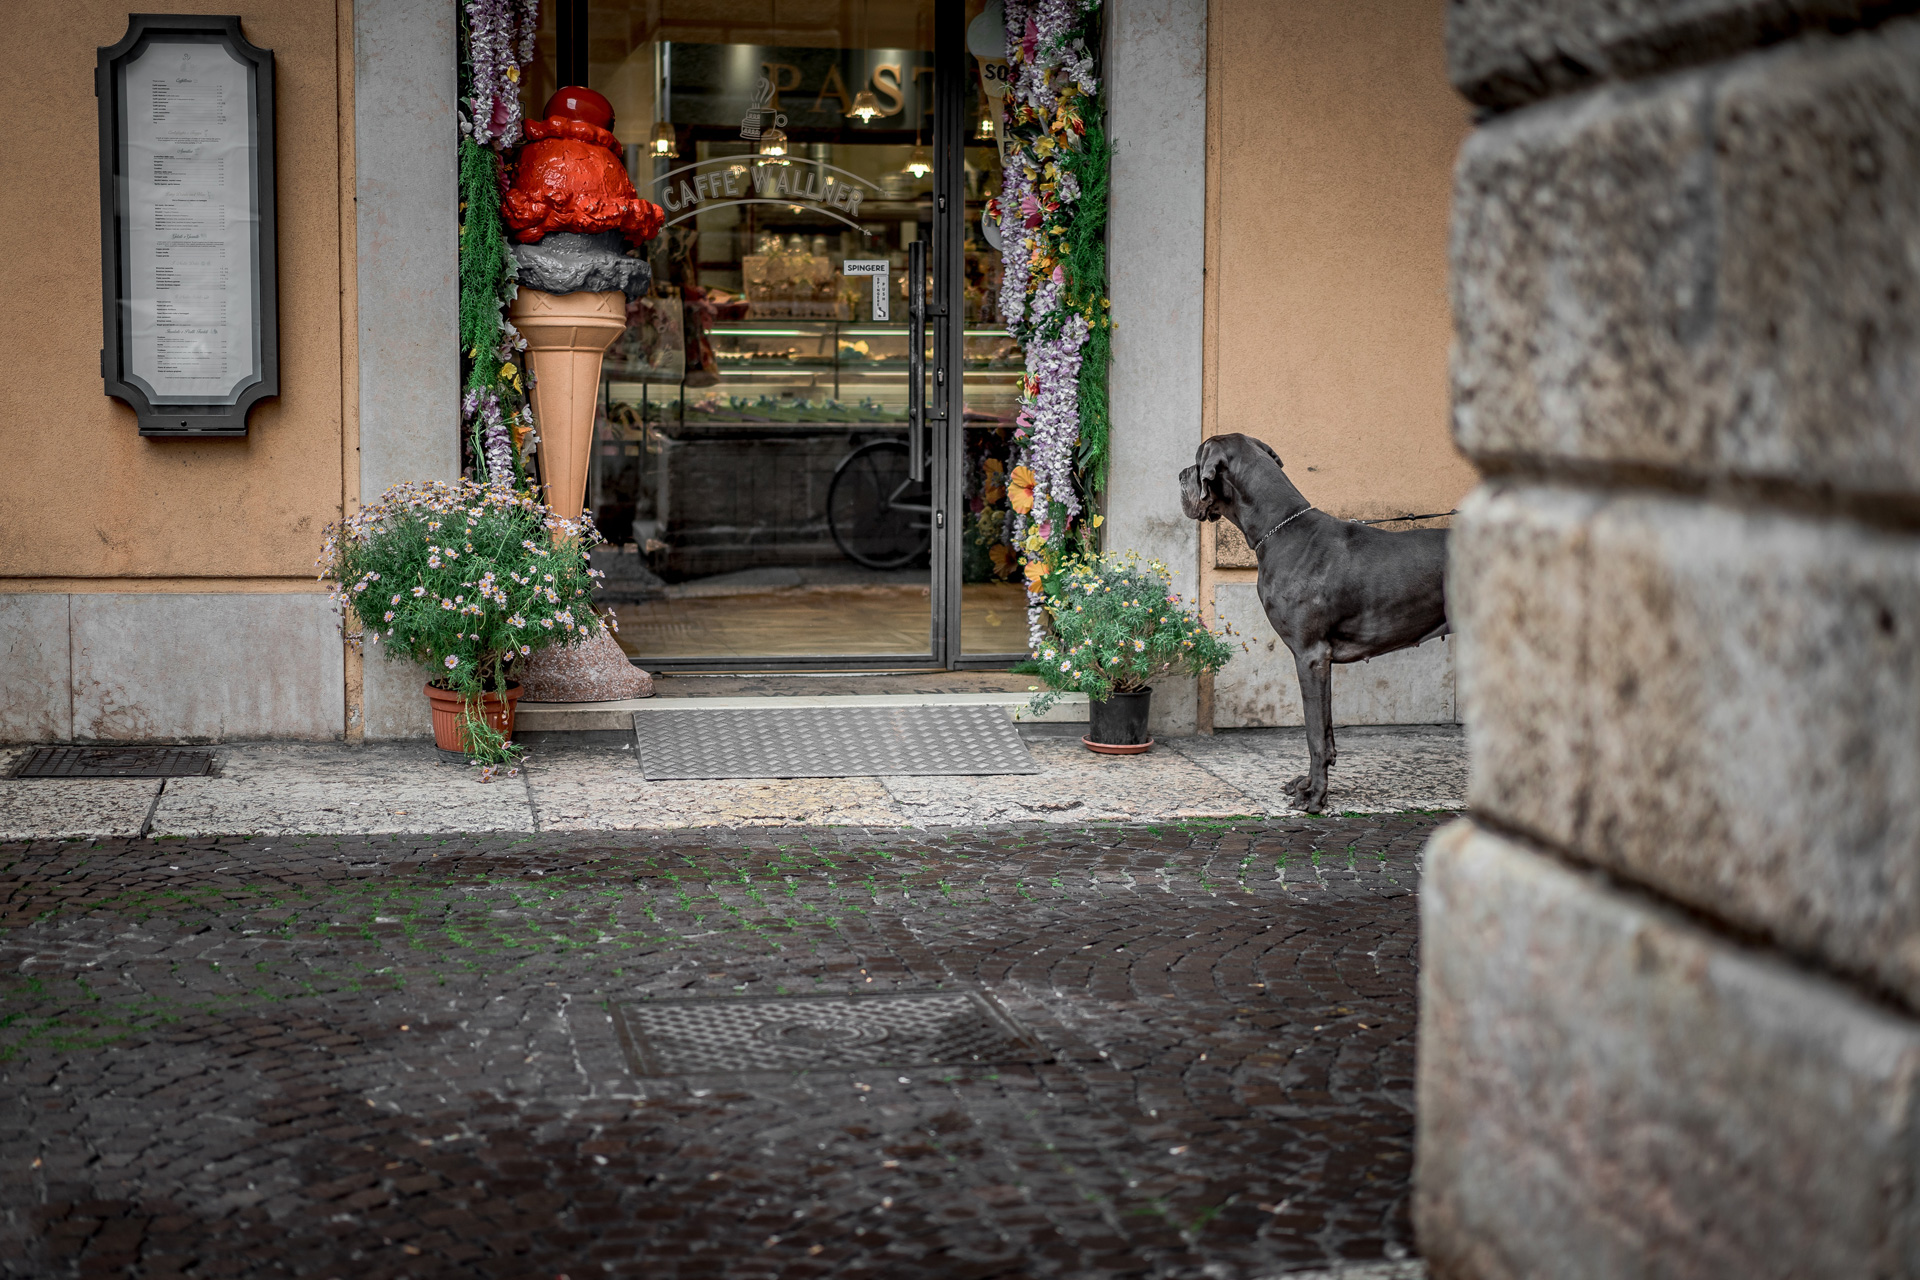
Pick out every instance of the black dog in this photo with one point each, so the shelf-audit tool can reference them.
(1336, 591)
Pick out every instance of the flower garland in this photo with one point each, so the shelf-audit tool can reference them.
(497, 38)
(499, 41)
(1052, 211)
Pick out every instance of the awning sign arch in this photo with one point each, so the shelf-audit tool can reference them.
(720, 181)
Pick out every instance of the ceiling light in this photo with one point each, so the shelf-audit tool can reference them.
(986, 127)
(773, 144)
(917, 164)
(665, 143)
(865, 106)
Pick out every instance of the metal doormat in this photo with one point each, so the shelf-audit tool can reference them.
(829, 742)
(114, 762)
(807, 1032)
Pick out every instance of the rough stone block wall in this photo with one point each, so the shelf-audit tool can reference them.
(1670, 1012)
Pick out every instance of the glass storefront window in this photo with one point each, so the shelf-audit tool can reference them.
(750, 459)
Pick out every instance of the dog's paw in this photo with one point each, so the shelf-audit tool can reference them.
(1305, 796)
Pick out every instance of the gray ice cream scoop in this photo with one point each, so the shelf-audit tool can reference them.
(568, 262)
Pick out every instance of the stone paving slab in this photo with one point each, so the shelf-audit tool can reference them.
(1376, 770)
(582, 789)
(31, 807)
(1075, 785)
(387, 1057)
(287, 788)
(320, 788)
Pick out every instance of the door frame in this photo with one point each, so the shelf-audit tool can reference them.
(946, 398)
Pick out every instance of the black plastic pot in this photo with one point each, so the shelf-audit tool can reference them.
(1119, 721)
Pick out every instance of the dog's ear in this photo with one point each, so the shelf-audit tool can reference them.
(1267, 449)
(1214, 471)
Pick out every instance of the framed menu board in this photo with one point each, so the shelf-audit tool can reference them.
(187, 255)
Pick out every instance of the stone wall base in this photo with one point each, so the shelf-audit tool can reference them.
(1259, 688)
(1607, 1088)
(166, 667)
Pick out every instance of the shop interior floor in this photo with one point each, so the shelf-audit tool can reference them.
(819, 619)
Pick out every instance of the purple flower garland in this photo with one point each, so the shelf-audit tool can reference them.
(500, 40)
(500, 36)
(1052, 78)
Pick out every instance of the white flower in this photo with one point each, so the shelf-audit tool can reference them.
(418, 592)
(452, 662)
(388, 617)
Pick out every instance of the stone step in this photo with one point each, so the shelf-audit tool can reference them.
(587, 717)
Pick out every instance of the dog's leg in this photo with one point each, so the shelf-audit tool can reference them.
(1315, 669)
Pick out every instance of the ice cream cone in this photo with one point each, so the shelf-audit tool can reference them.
(567, 334)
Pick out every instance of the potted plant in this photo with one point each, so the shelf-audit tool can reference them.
(467, 579)
(1116, 627)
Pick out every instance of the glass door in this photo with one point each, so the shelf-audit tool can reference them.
(775, 493)
(987, 612)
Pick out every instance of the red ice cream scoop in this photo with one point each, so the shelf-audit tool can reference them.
(571, 176)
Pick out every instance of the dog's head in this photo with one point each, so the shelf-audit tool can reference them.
(1217, 479)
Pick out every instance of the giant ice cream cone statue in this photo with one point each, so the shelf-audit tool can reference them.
(567, 334)
(571, 207)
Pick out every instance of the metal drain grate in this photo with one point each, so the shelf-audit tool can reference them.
(114, 762)
(829, 742)
(796, 1033)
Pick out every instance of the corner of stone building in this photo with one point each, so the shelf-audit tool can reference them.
(1671, 968)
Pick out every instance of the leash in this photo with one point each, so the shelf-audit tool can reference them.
(1254, 546)
(1431, 515)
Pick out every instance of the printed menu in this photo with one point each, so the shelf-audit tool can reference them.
(191, 230)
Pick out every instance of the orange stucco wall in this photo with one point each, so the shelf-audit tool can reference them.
(82, 496)
(1332, 133)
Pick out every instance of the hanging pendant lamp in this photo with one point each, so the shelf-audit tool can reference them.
(865, 106)
(666, 143)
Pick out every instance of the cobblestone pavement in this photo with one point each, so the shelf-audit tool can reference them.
(393, 1056)
(289, 787)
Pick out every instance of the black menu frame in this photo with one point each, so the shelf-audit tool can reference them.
(192, 421)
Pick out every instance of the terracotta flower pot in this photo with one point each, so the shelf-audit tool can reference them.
(448, 710)
(1117, 725)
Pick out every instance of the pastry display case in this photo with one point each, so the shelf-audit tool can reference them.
(737, 472)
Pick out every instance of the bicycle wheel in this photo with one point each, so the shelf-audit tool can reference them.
(867, 525)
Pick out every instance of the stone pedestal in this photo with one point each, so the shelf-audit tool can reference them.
(595, 670)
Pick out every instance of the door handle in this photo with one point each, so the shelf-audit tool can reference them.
(917, 360)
